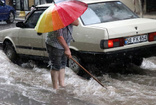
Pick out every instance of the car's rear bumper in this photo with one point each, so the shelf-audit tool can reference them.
(118, 56)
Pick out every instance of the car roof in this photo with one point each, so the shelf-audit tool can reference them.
(86, 1)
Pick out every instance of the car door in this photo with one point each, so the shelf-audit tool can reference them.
(30, 43)
(2, 10)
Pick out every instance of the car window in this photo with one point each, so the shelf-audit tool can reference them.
(33, 18)
(90, 17)
(106, 12)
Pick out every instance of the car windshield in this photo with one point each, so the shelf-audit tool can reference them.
(106, 12)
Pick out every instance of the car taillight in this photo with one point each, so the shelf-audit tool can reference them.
(152, 36)
(112, 43)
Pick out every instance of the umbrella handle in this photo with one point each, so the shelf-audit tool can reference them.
(88, 72)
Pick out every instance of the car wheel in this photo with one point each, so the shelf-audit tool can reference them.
(72, 65)
(10, 52)
(11, 18)
(137, 61)
(76, 68)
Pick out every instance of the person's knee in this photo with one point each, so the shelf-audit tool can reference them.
(56, 67)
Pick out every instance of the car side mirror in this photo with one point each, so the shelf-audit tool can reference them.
(20, 24)
(39, 34)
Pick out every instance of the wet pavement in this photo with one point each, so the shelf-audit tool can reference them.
(23, 85)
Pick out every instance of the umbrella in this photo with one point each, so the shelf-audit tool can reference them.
(60, 15)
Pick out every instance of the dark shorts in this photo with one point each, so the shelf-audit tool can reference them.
(58, 59)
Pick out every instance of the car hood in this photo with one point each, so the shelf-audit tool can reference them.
(128, 27)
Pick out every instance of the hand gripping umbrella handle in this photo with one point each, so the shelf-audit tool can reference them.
(88, 72)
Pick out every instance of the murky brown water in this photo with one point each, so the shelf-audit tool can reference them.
(32, 86)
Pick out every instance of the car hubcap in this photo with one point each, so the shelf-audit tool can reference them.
(9, 53)
(11, 17)
(73, 65)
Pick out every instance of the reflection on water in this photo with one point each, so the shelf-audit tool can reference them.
(19, 85)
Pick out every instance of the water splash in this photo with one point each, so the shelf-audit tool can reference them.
(35, 84)
(149, 63)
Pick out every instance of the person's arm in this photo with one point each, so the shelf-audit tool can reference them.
(63, 42)
(75, 23)
(65, 46)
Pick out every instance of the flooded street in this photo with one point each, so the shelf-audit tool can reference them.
(32, 86)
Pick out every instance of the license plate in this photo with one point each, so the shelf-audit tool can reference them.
(136, 39)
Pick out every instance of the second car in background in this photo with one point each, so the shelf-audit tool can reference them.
(7, 13)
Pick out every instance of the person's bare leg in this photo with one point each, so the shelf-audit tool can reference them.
(54, 77)
(61, 77)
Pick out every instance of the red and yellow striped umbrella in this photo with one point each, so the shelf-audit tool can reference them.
(60, 15)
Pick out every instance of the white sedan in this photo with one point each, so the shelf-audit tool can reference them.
(109, 32)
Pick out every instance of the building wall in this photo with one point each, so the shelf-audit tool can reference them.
(147, 5)
(9, 2)
(31, 2)
(151, 5)
(27, 3)
(132, 4)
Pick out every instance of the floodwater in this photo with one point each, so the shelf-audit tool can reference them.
(22, 85)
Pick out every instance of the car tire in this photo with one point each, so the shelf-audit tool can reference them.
(11, 18)
(72, 65)
(10, 52)
(76, 68)
(137, 61)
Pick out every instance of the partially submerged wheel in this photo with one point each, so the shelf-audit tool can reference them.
(137, 61)
(76, 68)
(10, 51)
(72, 65)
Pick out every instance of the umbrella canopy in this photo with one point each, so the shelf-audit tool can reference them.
(60, 15)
